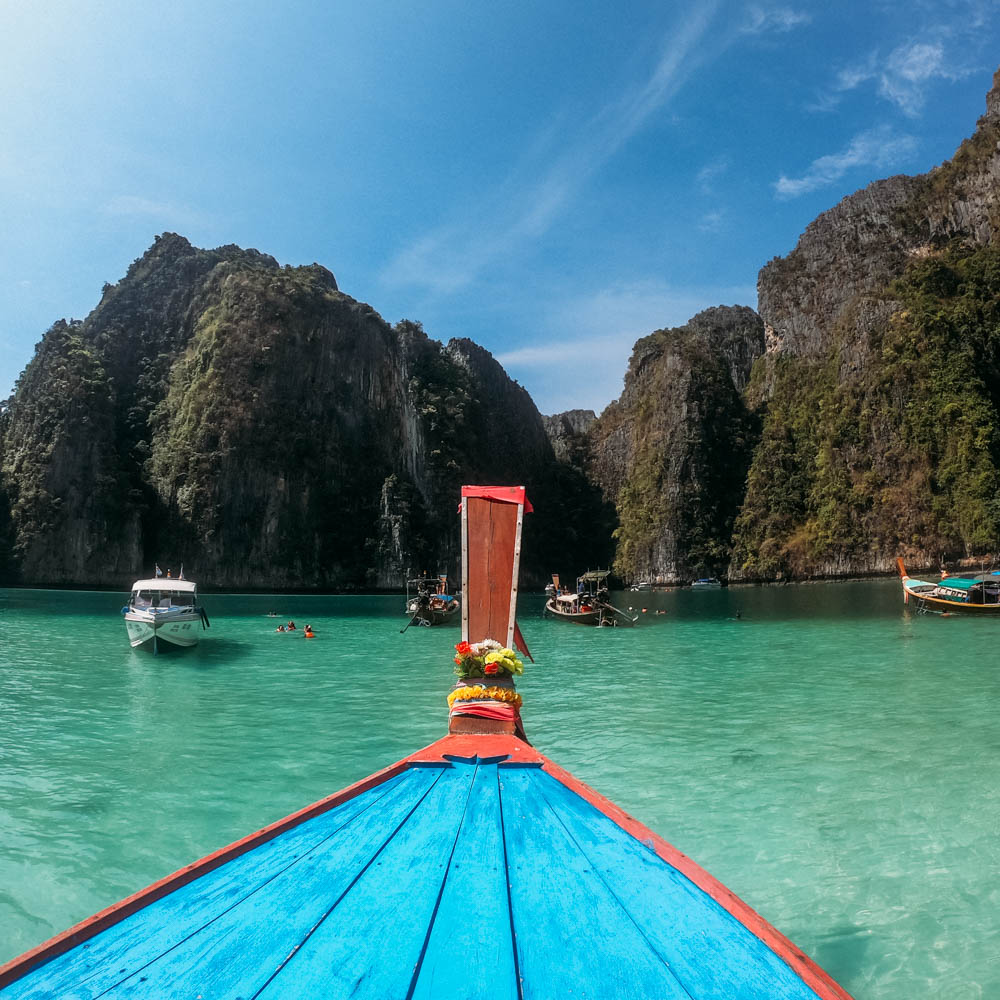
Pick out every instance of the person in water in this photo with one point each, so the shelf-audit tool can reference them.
(309, 633)
(280, 628)
(291, 626)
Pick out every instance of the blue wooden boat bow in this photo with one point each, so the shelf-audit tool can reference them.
(474, 868)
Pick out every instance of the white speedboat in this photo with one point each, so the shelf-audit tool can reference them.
(164, 610)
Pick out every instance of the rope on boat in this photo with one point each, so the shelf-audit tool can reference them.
(627, 617)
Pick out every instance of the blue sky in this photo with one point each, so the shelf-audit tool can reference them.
(551, 179)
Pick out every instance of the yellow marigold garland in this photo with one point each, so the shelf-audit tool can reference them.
(480, 692)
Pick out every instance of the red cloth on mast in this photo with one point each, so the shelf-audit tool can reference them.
(505, 494)
(486, 709)
(520, 643)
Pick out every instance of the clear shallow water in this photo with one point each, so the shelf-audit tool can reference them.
(830, 757)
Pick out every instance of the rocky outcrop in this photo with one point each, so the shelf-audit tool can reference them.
(263, 427)
(567, 432)
(857, 247)
(672, 452)
(878, 393)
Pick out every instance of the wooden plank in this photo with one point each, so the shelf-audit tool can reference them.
(237, 947)
(369, 944)
(491, 533)
(240, 951)
(711, 953)
(573, 936)
(470, 951)
(115, 953)
(811, 974)
(89, 928)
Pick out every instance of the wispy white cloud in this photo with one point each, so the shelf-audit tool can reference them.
(879, 147)
(711, 222)
(902, 77)
(449, 258)
(906, 73)
(768, 20)
(710, 173)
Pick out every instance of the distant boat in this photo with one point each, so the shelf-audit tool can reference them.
(644, 585)
(707, 582)
(161, 610)
(551, 589)
(428, 601)
(977, 595)
(589, 605)
(476, 868)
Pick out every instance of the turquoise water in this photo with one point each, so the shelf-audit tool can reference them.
(832, 758)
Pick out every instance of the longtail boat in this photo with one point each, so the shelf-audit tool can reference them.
(474, 868)
(428, 601)
(590, 604)
(978, 594)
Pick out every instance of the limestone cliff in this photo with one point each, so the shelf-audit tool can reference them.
(858, 246)
(672, 453)
(879, 390)
(260, 425)
(567, 431)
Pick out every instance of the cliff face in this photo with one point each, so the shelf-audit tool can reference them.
(858, 246)
(672, 453)
(567, 431)
(263, 427)
(878, 393)
(272, 432)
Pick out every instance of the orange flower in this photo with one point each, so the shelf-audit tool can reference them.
(464, 649)
(490, 668)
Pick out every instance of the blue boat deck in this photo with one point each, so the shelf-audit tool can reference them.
(465, 878)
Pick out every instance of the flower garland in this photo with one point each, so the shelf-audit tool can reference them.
(479, 692)
(485, 659)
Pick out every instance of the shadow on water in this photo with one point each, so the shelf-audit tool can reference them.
(844, 954)
(223, 650)
(213, 652)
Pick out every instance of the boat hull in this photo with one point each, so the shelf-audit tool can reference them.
(941, 605)
(174, 628)
(941, 599)
(601, 616)
(456, 838)
(432, 615)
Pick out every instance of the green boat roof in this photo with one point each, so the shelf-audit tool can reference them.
(959, 582)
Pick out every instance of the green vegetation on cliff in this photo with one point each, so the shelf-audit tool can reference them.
(674, 451)
(264, 427)
(888, 445)
(69, 387)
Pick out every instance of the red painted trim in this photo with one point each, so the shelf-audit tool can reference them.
(492, 746)
(456, 745)
(810, 973)
(505, 494)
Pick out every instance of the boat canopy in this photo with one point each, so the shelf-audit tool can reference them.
(568, 598)
(166, 583)
(958, 583)
(595, 575)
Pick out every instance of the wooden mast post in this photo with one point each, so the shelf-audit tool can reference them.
(492, 517)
